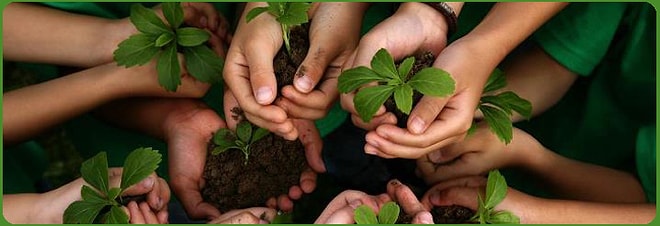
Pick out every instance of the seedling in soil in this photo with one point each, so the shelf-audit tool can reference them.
(496, 189)
(100, 202)
(245, 135)
(399, 82)
(392, 81)
(388, 214)
(164, 41)
(288, 14)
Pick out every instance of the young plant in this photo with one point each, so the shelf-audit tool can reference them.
(288, 14)
(100, 202)
(392, 81)
(245, 135)
(164, 41)
(496, 189)
(498, 108)
(388, 214)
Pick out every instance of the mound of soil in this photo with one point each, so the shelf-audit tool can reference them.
(274, 164)
(443, 215)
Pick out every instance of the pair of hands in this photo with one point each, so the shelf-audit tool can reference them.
(434, 122)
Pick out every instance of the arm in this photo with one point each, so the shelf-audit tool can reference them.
(534, 210)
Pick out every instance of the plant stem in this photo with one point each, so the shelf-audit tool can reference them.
(285, 35)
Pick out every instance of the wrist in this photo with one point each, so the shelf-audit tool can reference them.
(113, 33)
(51, 205)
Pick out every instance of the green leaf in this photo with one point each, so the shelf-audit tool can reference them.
(517, 104)
(173, 13)
(244, 131)
(497, 102)
(383, 65)
(277, 9)
(282, 218)
(389, 213)
(82, 212)
(405, 67)
(368, 100)
(499, 122)
(146, 20)
(496, 189)
(433, 82)
(254, 13)
(89, 195)
(169, 71)
(203, 64)
(503, 217)
(191, 36)
(114, 193)
(95, 172)
(364, 215)
(116, 216)
(138, 49)
(258, 134)
(495, 81)
(354, 78)
(403, 97)
(295, 13)
(139, 164)
(481, 211)
(222, 149)
(472, 129)
(223, 136)
(164, 39)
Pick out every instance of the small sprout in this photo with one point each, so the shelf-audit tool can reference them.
(100, 202)
(388, 214)
(392, 81)
(496, 189)
(158, 39)
(246, 134)
(288, 14)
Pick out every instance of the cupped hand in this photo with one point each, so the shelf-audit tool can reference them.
(250, 76)
(341, 209)
(478, 154)
(333, 35)
(189, 131)
(415, 27)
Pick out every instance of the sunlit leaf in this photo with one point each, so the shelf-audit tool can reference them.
(139, 164)
(433, 82)
(369, 99)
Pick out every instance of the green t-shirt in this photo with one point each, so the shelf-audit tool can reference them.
(600, 120)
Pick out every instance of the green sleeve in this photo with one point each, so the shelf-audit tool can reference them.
(579, 36)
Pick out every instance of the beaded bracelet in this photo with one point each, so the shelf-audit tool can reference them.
(448, 13)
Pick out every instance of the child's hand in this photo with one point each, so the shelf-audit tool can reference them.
(254, 215)
(479, 153)
(333, 34)
(143, 214)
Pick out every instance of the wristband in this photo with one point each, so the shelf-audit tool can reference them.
(448, 13)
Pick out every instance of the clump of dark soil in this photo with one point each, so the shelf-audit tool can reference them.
(274, 164)
(443, 215)
(421, 61)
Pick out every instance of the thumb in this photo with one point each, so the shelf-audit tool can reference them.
(313, 67)
(143, 187)
(425, 112)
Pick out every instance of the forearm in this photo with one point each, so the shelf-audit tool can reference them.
(30, 110)
(547, 211)
(577, 180)
(33, 33)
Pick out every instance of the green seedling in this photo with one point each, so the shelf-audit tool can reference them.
(388, 214)
(496, 189)
(246, 134)
(288, 14)
(102, 203)
(392, 81)
(165, 41)
(498, 108)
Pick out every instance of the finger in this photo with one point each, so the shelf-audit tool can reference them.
(231, 108)
(313, 67)
(149, 216)
(371, 150)
(424, 217)
(240, 218)
(344, 215)
(135, 215)
(271, 203)
(334, 209)
(295, 110)
(387, 118)
(114, 175)
(308, 180)
(143, 187)
(386, 147)
(425, 112)
(284, 203)
(311, 139)
(295, 192)
(405, 197)
(217, 45)
(163, 217)
(259, 56)
(159, 198)
(462, 196)
(433, 192)
(286, 129)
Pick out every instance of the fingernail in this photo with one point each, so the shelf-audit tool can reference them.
(148, 182)
(426, 218)
(370, 150)
(263, 95)
(303, 83)
(355, 204)
(417, 125)
(395, 182)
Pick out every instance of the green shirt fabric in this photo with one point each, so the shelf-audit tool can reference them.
(607, 117)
